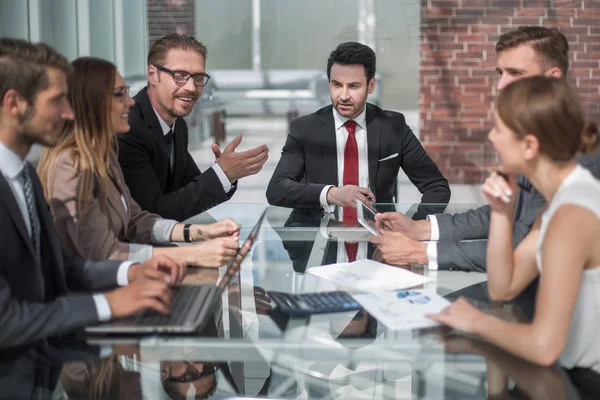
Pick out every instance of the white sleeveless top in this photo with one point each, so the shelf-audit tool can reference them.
(583, 343)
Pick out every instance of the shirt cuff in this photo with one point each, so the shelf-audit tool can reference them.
(122, 279)
(323, 199)
(222, 177)
(435, 228)
(102, 307)
(162, 230)
(432, 256)
(139, 252)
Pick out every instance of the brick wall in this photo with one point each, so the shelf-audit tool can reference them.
(457, 77)
(169, 16)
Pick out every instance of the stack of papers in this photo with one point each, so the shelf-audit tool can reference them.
(369, 276)
(404, 309)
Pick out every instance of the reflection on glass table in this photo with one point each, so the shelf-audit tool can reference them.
(352, 362)
(301, 224)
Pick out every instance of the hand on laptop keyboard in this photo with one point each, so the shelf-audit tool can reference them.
(139, 295)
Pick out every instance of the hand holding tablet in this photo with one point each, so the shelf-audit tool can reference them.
(366, 217)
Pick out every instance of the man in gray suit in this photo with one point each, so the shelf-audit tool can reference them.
(526, 51)
(36, 274)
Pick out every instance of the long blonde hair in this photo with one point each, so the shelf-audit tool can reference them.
(90, 135)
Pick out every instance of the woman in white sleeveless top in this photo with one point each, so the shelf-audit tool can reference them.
(539, 127)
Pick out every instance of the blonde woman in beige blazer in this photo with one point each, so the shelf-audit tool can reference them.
(93, 210)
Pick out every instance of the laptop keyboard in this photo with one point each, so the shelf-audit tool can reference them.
(185, 299)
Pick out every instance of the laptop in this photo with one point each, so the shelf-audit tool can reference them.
(192, 306)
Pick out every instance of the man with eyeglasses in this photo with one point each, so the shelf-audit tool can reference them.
(177, 378)
(158, 168)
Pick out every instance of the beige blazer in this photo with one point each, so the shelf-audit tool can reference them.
(106, 228)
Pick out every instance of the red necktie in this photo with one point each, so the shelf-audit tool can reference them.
(350, 178)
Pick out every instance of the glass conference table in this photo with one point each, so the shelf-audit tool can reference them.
(251, 350)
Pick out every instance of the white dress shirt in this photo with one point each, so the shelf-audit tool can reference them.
(432, 245)
(216, 167)
(11, 166)
(341, 137)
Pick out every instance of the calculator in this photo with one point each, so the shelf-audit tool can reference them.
(305, 304)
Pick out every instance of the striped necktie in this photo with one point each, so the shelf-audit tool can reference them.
(34, 220)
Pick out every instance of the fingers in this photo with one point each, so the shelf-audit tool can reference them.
(216, 150)
(259, 152)
(157, 275)
(376, 240)
(176, 268)
(155, 305)
(367, 192)
(230, 148)
(496, 187)
(158, 291)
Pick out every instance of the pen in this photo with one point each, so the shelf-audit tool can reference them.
(519, 184)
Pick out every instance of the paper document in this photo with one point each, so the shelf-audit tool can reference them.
(404, 309)
(369, 276)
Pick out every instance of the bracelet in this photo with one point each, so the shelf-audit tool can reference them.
(186, 233)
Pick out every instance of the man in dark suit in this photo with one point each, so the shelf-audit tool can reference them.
(36, 274)
(526, 51)
(159, 171)
(351, 150)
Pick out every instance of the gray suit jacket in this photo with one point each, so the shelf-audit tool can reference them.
(105, 229)
(34, 300)
(475, 224)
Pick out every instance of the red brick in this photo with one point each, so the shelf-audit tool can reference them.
(436, 11)
(482, 81)
(561, 22)
(593, 46)
(464, 63)
(470, 12)
(475, 89)
(594, 55)
(589, 82)
(506, 3)
(580, 72)
(445, 3)
(591, 4)
(504, 21)
(450, 46)
(531, 12)
(585, 21)
(521, 21)
(445, 30)
(484, 28)
(471, 37)
(568, 3)
(563, 12)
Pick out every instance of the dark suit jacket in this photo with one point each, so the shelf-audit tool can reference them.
(33, 298)
(309, 160)
(145, 163)
(475, 224)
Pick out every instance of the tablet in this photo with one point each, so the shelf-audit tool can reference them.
(366, 217)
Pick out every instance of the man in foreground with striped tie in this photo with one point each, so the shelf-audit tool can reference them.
(351, 150)
(37, 277)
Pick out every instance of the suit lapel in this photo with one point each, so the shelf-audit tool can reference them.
(46, 221)
(153, 124)
(7, 198)
(373, 145)
(148, 114)
(327, 140)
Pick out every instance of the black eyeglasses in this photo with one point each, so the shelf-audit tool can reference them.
(192, 374)
(181, 77)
